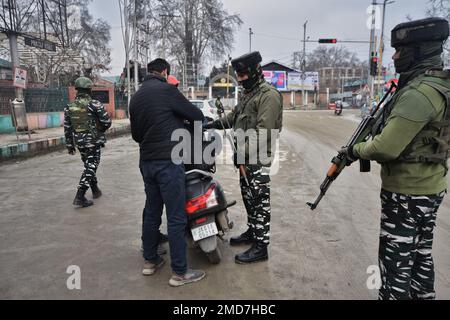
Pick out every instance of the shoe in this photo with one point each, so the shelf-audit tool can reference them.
(257, 253)
(96, 192)
(151, 268)
(244, 239)
(163, 238)
(191, 276)
(81, 201)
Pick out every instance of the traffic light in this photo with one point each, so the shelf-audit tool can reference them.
(374, 66)
(332, 41)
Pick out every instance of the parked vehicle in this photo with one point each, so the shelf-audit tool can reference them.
(207, 106)
(206, 208)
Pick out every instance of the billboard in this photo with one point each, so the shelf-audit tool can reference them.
(309, 82)
(276, 78)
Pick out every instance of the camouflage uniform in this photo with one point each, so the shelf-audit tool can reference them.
(406, 242)
(257, 202)
(412, 146)
(85, 124)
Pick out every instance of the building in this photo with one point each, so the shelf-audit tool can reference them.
(5, 70)
(336, 79)
(291, 83)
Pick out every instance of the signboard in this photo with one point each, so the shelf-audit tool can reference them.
(20, 78)
(40, 44)
(223, 83)
(276, 78)
(309, 81)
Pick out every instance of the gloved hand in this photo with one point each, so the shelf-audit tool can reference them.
(71, 151)
(349, 155)
(209, 123)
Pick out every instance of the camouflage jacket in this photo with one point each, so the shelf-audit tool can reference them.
(97, 122)
(260, 115)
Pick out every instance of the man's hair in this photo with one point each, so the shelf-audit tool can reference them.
(158, 65)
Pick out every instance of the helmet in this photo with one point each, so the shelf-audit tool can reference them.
(83, 83)
(173, 81)
(246, 62)
(424, 30)
(249, 64)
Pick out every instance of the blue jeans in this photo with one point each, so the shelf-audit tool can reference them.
(165, 185)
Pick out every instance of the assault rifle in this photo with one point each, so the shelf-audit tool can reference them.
(362, 134)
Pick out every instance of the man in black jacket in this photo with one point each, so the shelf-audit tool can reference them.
(157, 110)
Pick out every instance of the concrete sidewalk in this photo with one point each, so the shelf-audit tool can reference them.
(46, 140)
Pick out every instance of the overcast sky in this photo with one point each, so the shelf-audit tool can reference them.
(278, 25)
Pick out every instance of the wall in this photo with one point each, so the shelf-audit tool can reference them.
(110, 107)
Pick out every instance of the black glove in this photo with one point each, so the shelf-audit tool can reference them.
(349, 155)
(209, 123)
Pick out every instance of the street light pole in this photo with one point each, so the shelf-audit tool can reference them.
(382, 44)
(250, 34)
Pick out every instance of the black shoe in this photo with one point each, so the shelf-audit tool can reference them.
(257, 253)
(81, 201)
(163, 238)
(96, 192)
(244, 239)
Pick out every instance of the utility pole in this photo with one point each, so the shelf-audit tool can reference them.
(228, 78)
(136, 53)
(304, 64)
(372, 51)
(44, 18)
(147, 36)
(250, 35)
(123, 4)
(382, 42)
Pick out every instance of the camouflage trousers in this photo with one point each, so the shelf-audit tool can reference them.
(406, 241)
(91, 160)
(256, 198)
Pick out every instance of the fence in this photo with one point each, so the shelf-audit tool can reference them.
(36, 99)
(44, 107)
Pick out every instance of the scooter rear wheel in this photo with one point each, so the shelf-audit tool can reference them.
(215, 257)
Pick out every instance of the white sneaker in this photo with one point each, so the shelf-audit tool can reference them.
(151, 268)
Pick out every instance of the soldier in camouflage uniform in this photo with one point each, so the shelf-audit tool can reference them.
(259, 112)
(413, 148)
(85, 124)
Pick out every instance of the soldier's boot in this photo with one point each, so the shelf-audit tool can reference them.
(96, 192)
(80, 199)
(244, 239)
(257, 253)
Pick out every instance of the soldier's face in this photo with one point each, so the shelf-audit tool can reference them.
(396, 55)
(242, 76)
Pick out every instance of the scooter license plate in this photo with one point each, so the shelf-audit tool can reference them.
(204, 232)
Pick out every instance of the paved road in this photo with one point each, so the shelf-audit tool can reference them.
(320, 255)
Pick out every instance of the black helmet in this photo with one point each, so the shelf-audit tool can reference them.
(248, 61)
(249, 64)
(425, 30)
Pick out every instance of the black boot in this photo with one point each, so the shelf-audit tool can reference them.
(81, 201)
(96, 192)
(257, 253)
(244, 239)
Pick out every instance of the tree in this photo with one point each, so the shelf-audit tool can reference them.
(441, 8)
(335, 57)
(192, 32)
(82, 41)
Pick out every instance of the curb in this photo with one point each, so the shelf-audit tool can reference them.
(41, 147)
